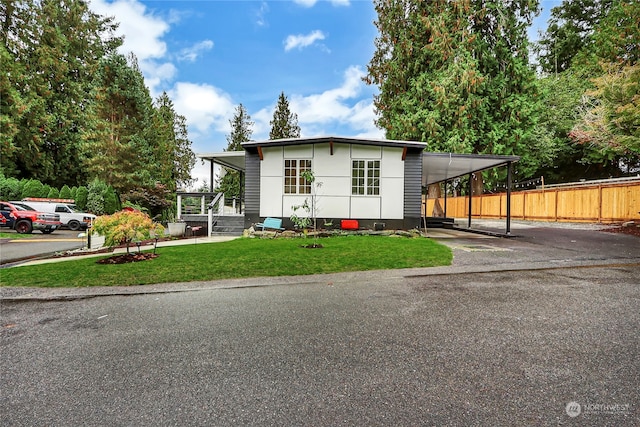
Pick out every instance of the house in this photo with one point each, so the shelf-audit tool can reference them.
(377, 182)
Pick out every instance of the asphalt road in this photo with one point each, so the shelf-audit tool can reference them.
(498, 348)
(38, 245)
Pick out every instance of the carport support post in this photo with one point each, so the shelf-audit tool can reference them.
(470, 196)
(445, 198)
(508, 231)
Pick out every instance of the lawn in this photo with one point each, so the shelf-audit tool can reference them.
(239, 258)
(13, 235)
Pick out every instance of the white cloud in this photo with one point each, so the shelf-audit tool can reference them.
(143, 31)
(191, 53)
(337, 108)
(261, 20)
(156, 73)
(203, 105)
(299, 41)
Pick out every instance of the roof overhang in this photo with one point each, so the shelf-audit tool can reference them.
(229, 159)
(439, 167)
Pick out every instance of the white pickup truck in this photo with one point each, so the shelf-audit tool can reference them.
(70, 216)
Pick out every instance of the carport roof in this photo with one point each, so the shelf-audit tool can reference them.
(439, 167)
(436, 167)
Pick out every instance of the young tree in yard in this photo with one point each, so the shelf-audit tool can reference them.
(284, 123)
(456, 75)
(241, 131)
(124, 227)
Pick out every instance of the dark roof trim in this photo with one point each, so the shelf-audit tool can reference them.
(336, 140)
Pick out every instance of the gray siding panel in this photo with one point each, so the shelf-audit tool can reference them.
(252, 188)
(413, 185)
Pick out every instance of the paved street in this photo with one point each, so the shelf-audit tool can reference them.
(510, 348)
(38, 244)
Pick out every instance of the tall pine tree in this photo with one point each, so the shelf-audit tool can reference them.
(456, 75)
(241, 131)
(59, 43)
(119, 151)
(284, 123)
(173, 153)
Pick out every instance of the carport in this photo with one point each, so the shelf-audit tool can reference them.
(444, 167)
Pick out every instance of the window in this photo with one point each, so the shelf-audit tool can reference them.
(369, 169)
(294, 182)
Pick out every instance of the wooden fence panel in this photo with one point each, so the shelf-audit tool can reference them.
(490, 206)
(620, 203)
(578, 204)
(595, 203)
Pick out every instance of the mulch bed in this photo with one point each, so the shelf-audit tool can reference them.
(127, 258)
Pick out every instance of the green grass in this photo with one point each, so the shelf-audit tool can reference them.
(239, 258)
(13, 235)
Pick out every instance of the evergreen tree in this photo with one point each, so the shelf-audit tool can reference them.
(241, 129)
(33, 188)
(456, 75)
(241, 132)
(81, 197)
(118, 151)
(173, 149)
(284, 123)
(570, 31)
(65, 192)
(59, 43)
(53, 193)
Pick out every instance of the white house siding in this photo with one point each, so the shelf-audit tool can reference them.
(271, 182)
(334, 198)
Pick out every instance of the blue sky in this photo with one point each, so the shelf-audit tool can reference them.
(212, 55)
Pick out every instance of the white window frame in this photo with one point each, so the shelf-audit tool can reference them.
(294, 182)
(365, 177)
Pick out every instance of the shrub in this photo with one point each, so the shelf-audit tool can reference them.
(53, 193)
(124, 227)
(111, 202)
(154, 199)
(95, 198)
(65, 192)
(33, 188)
(81, 197)
(10, 189)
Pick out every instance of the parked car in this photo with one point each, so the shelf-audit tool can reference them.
(27, 219)
(70, 216)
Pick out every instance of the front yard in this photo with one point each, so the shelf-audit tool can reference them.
(239, 259)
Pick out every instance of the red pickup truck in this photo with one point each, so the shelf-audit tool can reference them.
(24, 219)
